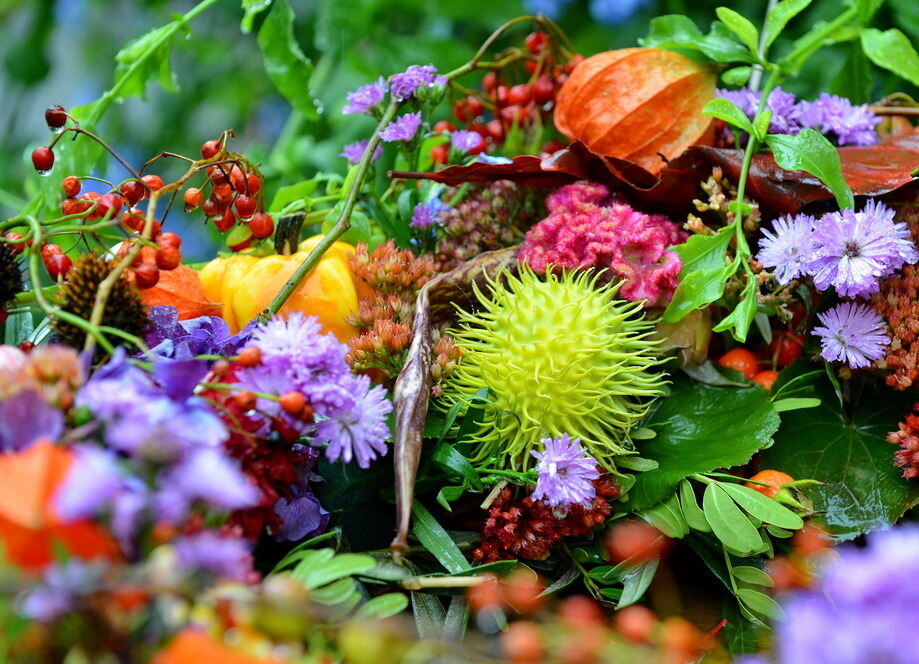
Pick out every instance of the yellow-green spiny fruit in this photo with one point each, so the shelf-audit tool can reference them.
(560, 355)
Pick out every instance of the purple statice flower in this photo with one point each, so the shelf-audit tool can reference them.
(405, 85)
(466, 141)
(428, 214)
(354, 151)
(402, 128)
(852, 333)
(93, 481)
(26, 418)
(365, 98)
(224, 557)
(565, 473)
(171, 338)
(787, 248)
(355, 421)
(208, 475)
(851, 124)
(62, 585)
(861, 610)
(782, 104)
(854, 250)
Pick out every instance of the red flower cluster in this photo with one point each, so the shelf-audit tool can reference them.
(907, 437)
(527, 529)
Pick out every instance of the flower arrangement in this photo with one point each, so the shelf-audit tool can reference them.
(602, 368)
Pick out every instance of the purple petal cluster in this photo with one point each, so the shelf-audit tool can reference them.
(565, 473)
(26, 418)
(465, 140)
(861, 610)
(848, 250)
(852, 333)
(405, 85)
(354, 151)
(365, 98)
(836, 117)
(209, 552)
(171, 338)
(402, 128)
(61, 587)
(428, 214)
(351, 417)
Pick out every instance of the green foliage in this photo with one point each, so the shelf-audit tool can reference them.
(436, 540)
(285, 64)
(892, 50)
(811, 151)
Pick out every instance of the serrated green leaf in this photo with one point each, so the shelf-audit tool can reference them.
(285, 64)
(760, 603)
(762, 507)
(382, 607)
(740, 26)
(753, 575)
(892, 50)
(728, 523)
(729, 112)
(435, 539)
(144, 60)
(695, 517)
(701, 252)
(784, 405)
(812, 152)
(636, 581)
(740, 319)
(293, 197)
(677, 32)
(779, 16)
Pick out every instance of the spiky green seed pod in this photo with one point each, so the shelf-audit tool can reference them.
(560, 355)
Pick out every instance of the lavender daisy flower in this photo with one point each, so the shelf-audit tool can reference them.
(300, 342)
(365, 98)
(354, 151)
(565, 473)
(850, 124)
(466, 141)
(853, 250)
(402, 128)
(356, 426)
(853, 333)
(405, 85)
(224, 557)
(787, 247)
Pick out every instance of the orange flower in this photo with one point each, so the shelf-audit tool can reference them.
(194, 647)
(29, 529)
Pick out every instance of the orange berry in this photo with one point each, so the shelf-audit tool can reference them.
(522, 643)
(245, 401)
(635, 541)
(485, 594)
(742, 360)
(681, 638)
(635, 623)
(522, 591)
(292, 402)
(776, 479)
(250, 356)
(811, 540)
(766, 378)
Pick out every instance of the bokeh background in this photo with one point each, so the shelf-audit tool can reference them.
(62, 52)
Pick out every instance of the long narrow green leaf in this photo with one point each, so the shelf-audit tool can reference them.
(729, 524)
(762, 507)
(436, 540)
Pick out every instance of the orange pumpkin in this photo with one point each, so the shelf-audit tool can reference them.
(643, 105)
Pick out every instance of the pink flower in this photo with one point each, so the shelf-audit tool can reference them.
(586, 228)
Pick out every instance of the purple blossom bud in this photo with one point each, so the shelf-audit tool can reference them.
(402, 128)
(405, 85)
(365, 98)
(465, 140)
(354, 151)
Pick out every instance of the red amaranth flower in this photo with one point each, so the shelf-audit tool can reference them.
(588, 229)
(907, 437)
(527, 529)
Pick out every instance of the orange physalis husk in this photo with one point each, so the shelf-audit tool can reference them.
(194, 647)
(181, 288)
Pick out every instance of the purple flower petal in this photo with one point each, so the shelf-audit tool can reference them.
(402, 128)
(566, 473)
(26, 418)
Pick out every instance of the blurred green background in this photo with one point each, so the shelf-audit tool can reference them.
(62, 52)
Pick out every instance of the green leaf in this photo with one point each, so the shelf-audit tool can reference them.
(455, 620)
(448, 457)
(862, 490)
(668, 518)
(570, 576)
(740, 26)
(779, 16)
(854, 80)
(18, 328)
(337, 592)
(866, 8)
(298, 194)
(639, 464)
(740, 319)
(701, 428)
(736, 76)
(729, 524)
(252, 8)
(146, 59)
(285, 64)
(730, 113)
(740, 635)
(316, 572)
(812, 152)
(429, 615)
(695, 517)
(752, 575)
(435, 539)
(760, 603)
(696, 290)
(704, 252)
(677, 32)
(762, 507)
(636, 581)
(448, 494)
(382, 606)
(892, 50)
(785, 405)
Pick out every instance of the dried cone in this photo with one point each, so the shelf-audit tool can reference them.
(10, 274)
(637, 104)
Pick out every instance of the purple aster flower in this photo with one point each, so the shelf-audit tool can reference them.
(302, 517)
(94, 479)
(354, 151)
(466, 141)
(854, 250)
(62, 585)
(300, 340)
(782, 104)
(861, 610)
(402, 128)
(365, 98)
(224, 557)
(209, 475)
(428, 214)
(850, 124)
(128, 508)
(356, 425)
(565, 473)
(26, 418)
(787, 248)
(171, 338)
(405, 85)
(853, 333)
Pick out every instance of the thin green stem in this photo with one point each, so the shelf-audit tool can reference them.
(727, 562)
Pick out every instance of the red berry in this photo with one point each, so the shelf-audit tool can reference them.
(4, 314)
(18, 247)
(254, 183)
(42, 159)
(250, 356)
(50, 250)
(153, 182)
(480, 129)
(501, 95)
(58, 266)
(495, 131)
(71, 206)
(742, 360)
(245, 206)
(26, 346)
(786, 347)
(513, 114)
(192, 198)
(634, 541)
(225, 222)
(766, 378)
(444, 126)
(71, 186)
(146, 275)
(91, 203)
(133, 191)
(489, 81)
(519, 95)
(461, 111)
(543, 89)
(245, 401)
(238, 179)
(210, 149)
(531, 66)
(440, 154)
(168, 258)
(155, 229)
(217, 176)
(476, 107)
(212, 208)
(169, 240)
(110, 205)
(535, 42)
(134, 219)
(560, 80)
(56, 117)
(261, 225)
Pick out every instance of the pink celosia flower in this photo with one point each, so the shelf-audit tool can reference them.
(586, 228)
